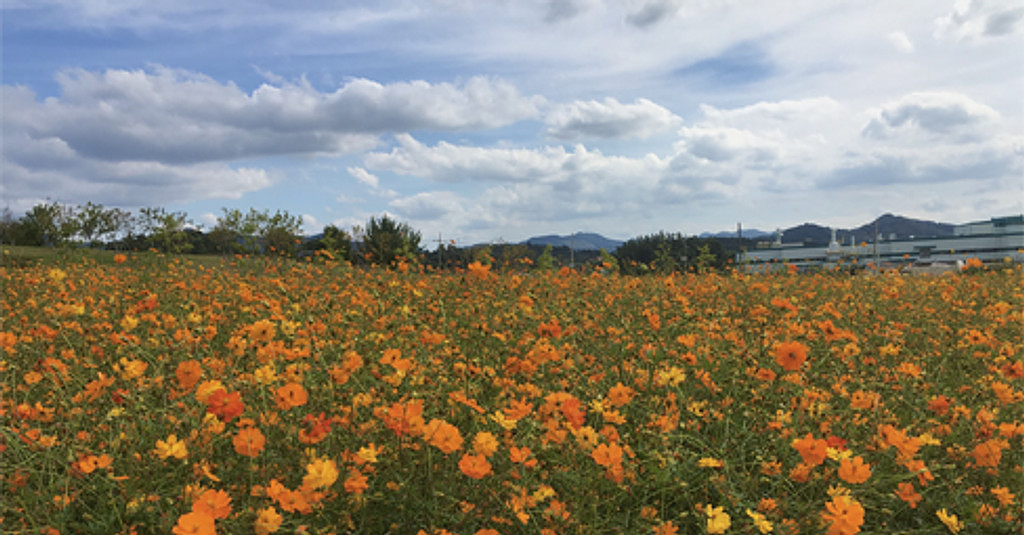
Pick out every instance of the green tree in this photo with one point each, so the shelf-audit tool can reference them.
(50, 224)
(95, 223)
(609, 261)
(334, 240)
(278, 232)
(165, 231)
(386, 241)
(546, 261)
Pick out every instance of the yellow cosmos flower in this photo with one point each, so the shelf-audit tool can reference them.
(951, 521)
(320, 473)
(718, 519)
(172, 447)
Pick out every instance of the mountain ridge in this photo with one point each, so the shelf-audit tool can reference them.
(889, 226)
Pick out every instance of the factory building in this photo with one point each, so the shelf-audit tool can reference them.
(997, 240)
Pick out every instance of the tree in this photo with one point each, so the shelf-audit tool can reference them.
(94, 222)
(333, 240)
(49, 224)
(165, 231)
(546, 261)
(609, 261)
(10, 228)
(235, 232)
(279, 232)
(387, 241)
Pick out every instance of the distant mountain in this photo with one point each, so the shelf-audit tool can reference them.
(749, 233)
(581, 241)
(898, 227)
(889, 227)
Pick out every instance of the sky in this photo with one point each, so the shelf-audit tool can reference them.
(488, 121)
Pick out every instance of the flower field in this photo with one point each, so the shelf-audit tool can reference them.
(153, 395)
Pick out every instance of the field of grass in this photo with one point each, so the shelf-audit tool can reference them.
(144, 394)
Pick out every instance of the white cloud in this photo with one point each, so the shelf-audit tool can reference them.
(652, 11)
(453, 163)
(429, 205)
(609, 119)
(972, 19)
(901, 42)
(176, 116)
(310, 223)
(559, 10)
(732, 157)
(937, 114)
(364, 176)
(127, 137)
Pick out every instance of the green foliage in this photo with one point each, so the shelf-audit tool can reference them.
(671, 252)
(387, 241)
(166, 231)
(334, 240)
(546, 262)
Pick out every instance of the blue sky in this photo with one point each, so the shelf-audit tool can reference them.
(497, 120)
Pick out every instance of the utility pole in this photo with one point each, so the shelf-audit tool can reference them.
(572, 250)
(440, 252)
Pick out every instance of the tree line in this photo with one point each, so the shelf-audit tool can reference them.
(382, 241)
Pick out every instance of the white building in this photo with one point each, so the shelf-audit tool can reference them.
(999, 239)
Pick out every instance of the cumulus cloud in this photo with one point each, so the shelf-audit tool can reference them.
(428, 205)
(901, 42)
(169, 134)
(972, 19)
(558, 10)
(938, 114)
(176, 116)
(364, 176)
(609, 119)
(446, 162)
(652, 11)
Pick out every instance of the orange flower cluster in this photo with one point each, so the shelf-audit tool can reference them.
(249, 395)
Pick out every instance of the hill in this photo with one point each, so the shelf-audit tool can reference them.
(581, 241)
(889, 227)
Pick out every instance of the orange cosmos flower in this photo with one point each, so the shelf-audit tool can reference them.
(844, 514)
(990, 452)
(939, 405)
(188, 373)
(249, 441)
(607, 455)
(291, 395)
(90, 463)
(478, 270)
(518, 455)
(215, 503)
(268, 521)
(262, 331)
(573, 411)
(812, 450)
(854, 470)
(443, 435)
(195, 523)
(320, 473)
(484, 443)
(907, 493)
(620, 394)
(355, 483)
(403, 418)
(224, 405)
(474, 466)
(790, 355)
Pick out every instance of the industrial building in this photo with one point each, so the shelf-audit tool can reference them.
(997, 240)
